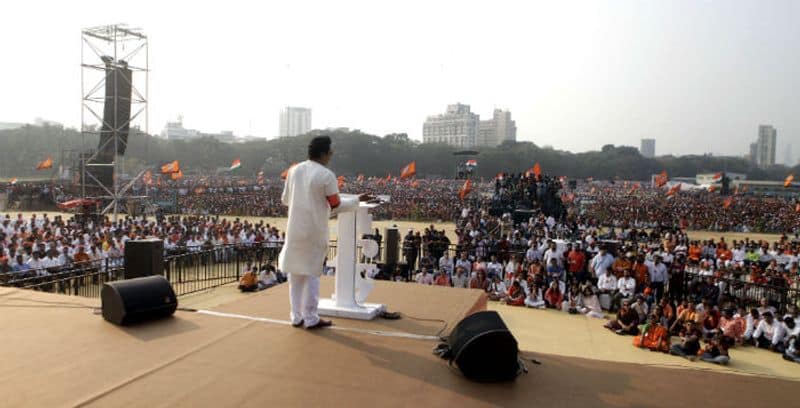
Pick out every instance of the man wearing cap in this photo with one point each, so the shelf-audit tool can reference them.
(311, 192)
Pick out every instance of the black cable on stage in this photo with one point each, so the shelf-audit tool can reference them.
(398, 315)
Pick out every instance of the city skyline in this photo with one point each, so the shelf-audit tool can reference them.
(698, 77)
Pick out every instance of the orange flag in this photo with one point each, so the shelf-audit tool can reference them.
(285, 173)
(634, 188)
(712, 188)
(389, 177)
(177, 175)
(727, 203)
(788, 181)
(717, 176)
(46, 164)
(465, 189)
(409, 170)
(170, 168)
(537, 170)
(340, 182)
(661, 179)
(676, 188)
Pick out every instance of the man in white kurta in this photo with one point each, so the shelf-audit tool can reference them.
(310, 192)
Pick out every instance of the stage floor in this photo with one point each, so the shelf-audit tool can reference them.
(57, 352)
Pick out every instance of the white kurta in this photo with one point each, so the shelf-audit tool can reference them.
(305, 192)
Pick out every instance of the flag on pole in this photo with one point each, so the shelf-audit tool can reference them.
(172, 167)
(465, 189)
(285, 173)
(537, 170)
(177, 175)
(727, 203)
(45, 164)
(788, 181)
(409, 170)
(675, 189)
(235, 164)
(661, 179)
(717, 176)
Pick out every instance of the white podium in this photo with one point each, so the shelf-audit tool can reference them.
(351, 288)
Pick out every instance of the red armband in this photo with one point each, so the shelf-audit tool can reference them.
(333, 200)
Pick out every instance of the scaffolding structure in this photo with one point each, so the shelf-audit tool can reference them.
(101, 47)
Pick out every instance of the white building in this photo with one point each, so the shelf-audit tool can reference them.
(294, 121)
(648, 148)
(174, 130)
(765, 146)
(461, 128)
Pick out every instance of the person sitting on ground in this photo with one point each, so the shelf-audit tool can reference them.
(249, 280)
(553, 296)
(654, 336)
(751, 320)
(479, 281)
(267, 277)
(460, 279)
(732, 327)
(424, 277)
(690, 342)
(784, 332)
(716, 350)
(572, 299)
(667, 312)
(765, 332)
(590, 304)
(516, 294)
(792, 352)
(497, 289)
(535, 298)
(626, 287)
(442, 279)
(687, 314)
(640, 306)
(627, 321)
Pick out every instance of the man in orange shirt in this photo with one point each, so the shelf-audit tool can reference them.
(641, 273)
(695, 252)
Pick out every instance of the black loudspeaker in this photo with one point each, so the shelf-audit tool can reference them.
(484, 349)
(144, 257)
(392, 246)
(137, 300)
(116, 108)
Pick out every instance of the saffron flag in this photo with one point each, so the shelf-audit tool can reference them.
(788, 181)
(537, 170)
(45, 164)
(148, 178)
(712, 188)
(676, 188)
(717, 176)
(12, 181)
(340, 182)
(285, 173)
(170, 168)
(727, 203)
(661, 179)
(177, 175)
(409, 171)
(235, 164)
(465, 189)
(472, 162)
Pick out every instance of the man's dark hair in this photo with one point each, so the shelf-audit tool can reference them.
(319, 146)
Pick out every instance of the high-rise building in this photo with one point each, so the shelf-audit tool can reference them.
(648, 148)
(753, 157)
(456, 127)
(765, 149)
(294, 121)
(499, 129)
(460, 127)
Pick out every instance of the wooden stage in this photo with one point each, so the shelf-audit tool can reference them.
(57, 351)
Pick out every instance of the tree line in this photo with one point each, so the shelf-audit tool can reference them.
(358, 153)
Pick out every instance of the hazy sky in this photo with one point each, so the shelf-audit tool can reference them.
(698, 76)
